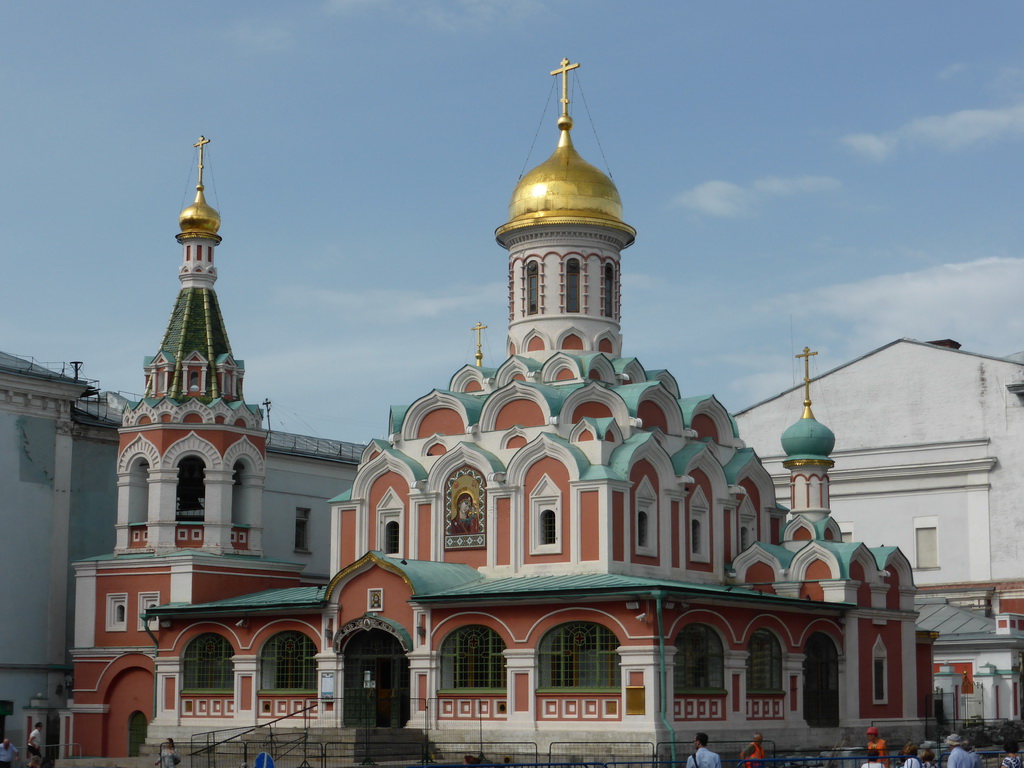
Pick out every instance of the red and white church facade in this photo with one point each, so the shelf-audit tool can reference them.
(565, 545)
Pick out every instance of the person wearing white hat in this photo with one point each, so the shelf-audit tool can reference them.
(958, 757)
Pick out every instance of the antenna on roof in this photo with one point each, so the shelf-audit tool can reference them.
(266, 404)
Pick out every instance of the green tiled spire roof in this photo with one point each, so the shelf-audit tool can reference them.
(196, 325)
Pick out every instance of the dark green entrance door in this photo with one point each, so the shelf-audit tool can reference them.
(821, 682)
(138, 726)
(376, 681)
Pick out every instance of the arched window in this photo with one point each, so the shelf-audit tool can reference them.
(532, 289)
(391, 537)
(191, 489)
(579, 655)
(764, 662)
(696, 536)
(193, 382)
(572, 285)
(548, 527)
(207, 664)
(287, 663)
(700, 663)
(609, 291)
(473, 657)
(642, 536)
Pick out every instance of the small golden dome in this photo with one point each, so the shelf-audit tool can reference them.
(200, 217)
(565, 188)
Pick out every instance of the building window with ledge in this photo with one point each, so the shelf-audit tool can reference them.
(473, 657)
(926, 542)
(642, 537)
(302, 529)
(700, 662)
(879, 673)
(288, 663)
(572, 285)
(117, 612)
(207, 664)
(699, 529)
(532, 289)
(392, 538)
(580, 655)
(548, 527)
(764, 663)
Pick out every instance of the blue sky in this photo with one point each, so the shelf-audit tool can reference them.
(832, 174)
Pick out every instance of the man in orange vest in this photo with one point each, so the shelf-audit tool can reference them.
(754, 752)
(878, 744)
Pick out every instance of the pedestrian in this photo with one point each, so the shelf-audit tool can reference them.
(878, 744)
(8, 753)
(754, 751)
(35, 742)
(873, 761)
(703, 757)
(169, 757)
(976, 760)
(1012, 759)
(958, 757)
(927, 758)
(910, 759)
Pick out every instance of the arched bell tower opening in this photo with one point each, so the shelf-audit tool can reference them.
(191, 491)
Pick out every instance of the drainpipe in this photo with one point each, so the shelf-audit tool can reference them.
(156, 652)
(659, 597)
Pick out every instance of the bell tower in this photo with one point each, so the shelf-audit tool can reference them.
(564, 237)
(192, 453)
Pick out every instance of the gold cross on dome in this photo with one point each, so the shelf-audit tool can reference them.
(564, 72)
(807, 355)
(479, 353)
(201, 144)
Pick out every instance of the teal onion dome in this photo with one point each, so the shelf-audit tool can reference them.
(808, 439)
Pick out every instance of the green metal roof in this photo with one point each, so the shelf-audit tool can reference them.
(735, 465)
(256, 602)
(597, 585)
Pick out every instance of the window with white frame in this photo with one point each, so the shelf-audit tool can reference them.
(390, 537)
(926, 542)
(646, 519)
(879, 673)
(747, 525)
(699, 533)
(117, 612)
(545, 518)
(147, 600)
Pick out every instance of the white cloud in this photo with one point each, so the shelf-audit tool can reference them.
(951, 132)
(725, 199)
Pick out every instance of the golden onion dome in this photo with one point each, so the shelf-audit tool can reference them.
(200, 217)
(565, 189)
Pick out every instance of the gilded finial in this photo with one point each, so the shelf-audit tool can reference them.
(201, 144)
(564, 121)
(479, 345)
(807, 355)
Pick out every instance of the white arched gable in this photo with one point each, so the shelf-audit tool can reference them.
(797, 524)
(668, 381)
(540, 447)
(863, 556)
(654, 454)
(535, 334)
(606, 336)
(751, 557)
(706, 462)
(464, 376)
(556, 364)
(192, 444)
(369, 473)
(244, 449)
(461, 455)
(390, 500)
(604, 368)
(510, 368)
(809, 554)
(586, 426)
(668, 405)
(898, 563)
(634, 372)
(715, 411)
(514, 390)
(431, 445)
(514, 432)
(755, 472)
(138, 448)
(198, 407)
(419, 410)
(594, 392)
(579, 335)
(837, 533)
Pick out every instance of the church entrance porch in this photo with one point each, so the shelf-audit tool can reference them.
(376, 681)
